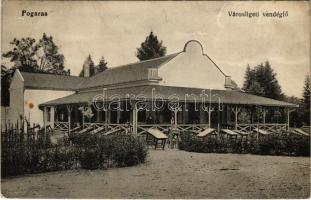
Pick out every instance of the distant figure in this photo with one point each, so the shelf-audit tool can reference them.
(127, 127)
(149, 120)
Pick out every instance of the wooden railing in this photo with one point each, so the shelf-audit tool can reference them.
(267, 127)
(62, 126)
(195, 128)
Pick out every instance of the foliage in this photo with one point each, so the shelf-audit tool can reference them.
(150, 48)
(273, 144)
(306, 100)
(91, 158)
(128, 150)
(102, 65)
(262, 81)
(122, 150)
(49, 58)
(27, 55)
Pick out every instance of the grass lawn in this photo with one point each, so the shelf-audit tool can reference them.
(175, 174)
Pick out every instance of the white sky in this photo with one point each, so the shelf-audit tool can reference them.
(116, 29)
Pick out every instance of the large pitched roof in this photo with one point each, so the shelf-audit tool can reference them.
(166, 92)
(125, 73)
(51, 81)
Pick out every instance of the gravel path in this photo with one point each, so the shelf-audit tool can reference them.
(175, 174)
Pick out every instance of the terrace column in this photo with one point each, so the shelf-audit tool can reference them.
(52, 116)
(175, 117)
(210, 110)
(44, 118)
(236, 111)
(118, 113)
(288, 111)
(264, 112)
(69, 109)
(134, 119)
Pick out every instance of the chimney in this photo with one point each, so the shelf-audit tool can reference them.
(86, 69)
(228, 83)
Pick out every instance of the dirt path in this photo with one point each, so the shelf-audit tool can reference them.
(175, 174)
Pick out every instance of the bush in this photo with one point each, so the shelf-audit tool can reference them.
(128, 150)
(121, 150)
(273, 144)
(91, 158)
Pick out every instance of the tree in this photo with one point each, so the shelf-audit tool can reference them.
(306, 100)
(150, 48)
(262, 81)
(102, 65)
(29, 56)
(23, 54)
(49, 58)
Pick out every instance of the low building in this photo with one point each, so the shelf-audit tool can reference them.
(191, 89)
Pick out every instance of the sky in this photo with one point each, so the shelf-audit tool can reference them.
(115, 29)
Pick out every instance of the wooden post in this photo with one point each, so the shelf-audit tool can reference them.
(236, 111)
(264, 117)
(52, 116)
(118, 113)
(134, 113)
(69, 109)
(44, 119)
(209, 116)
(288, 116)
(236, 119)
(175, 117)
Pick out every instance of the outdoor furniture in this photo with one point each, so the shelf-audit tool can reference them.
(207, 132)
(243, 134)
(157, 136)
(262, 132)
(229, 133)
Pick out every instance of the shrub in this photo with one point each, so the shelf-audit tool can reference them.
(273, 144)
(128, 150)
(90, 158)
(121, 150)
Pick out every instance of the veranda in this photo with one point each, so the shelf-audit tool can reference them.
(137, 118)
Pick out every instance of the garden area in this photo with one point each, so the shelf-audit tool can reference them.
(29, 153)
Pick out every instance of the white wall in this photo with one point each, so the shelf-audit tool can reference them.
(37, 97)
(16, 98)
(192, 69)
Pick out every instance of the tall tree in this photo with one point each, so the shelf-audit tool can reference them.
(23, 54)
(150, 48)
(102, 65)
(27, 55)
(306, 100)
(262, 81)
(49, 58)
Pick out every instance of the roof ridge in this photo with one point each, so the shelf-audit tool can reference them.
(50, 74)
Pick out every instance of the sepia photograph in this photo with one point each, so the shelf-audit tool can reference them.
(155, 99)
